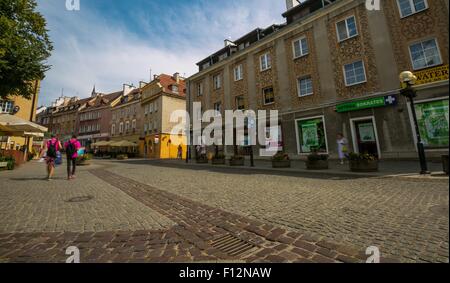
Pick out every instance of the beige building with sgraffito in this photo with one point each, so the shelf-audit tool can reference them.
(335, 68)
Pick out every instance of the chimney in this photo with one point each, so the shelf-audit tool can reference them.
(291, 4)
(127, 89)
(142, 84)
(228, 42)
(176, 76)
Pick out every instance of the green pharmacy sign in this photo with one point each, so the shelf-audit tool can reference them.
(368, 103)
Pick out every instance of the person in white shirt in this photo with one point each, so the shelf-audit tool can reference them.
(342, 143)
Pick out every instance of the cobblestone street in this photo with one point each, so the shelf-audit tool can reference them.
(152, 211)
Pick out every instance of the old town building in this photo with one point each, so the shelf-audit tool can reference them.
(127, 118)
(334, 67)
(94, 120)
(160, 98)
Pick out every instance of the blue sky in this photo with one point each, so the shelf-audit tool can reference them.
(111, 42)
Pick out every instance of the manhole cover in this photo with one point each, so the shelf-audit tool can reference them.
(232, 245)
(80, 199)
(440, 209)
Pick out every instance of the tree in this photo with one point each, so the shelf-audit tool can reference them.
(24, 47)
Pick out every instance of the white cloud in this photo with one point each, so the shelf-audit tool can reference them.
(92, 49)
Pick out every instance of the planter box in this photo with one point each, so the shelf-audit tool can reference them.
(445, 163)
(237, 162)
(3, 164)
(84, 163)
(201, 161)
(364, 166)
(122, 157)
(218, 161)
(317, 165)
(281, 164)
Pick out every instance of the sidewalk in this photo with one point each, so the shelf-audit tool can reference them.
(408, 170)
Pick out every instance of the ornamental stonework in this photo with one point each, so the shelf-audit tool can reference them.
(351, 50)
(266, 79)
(427, 24)
(305, 66)
(239, 88)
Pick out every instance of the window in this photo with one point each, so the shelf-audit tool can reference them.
(146, 109)
(311, 135)
(156, 106)
(354, 73)
(150, 108)
(127, 126)
(240, 103)
(300, 47)
(425, 54)
(223, 56)
(6, 106)
(268, 96)
(238, 70)
(265, 62)
(199, 89)
(145, 128)
(113, 129)
(218, 107)
(121, 128)
(409, 7)
(175, 89)
(133, 124)
(305, 86)
(347, 28)
(217, 82)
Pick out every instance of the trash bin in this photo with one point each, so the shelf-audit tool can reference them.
(445, 163)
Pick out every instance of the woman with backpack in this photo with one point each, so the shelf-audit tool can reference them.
(72, 147)
(52, 148)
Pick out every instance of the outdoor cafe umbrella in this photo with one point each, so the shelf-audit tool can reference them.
(123, 144)
(14, 126)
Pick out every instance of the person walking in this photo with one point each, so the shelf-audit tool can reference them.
(180, 152)
(342, 143)
(72, 147)
(52, 147)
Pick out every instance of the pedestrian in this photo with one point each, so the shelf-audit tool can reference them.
(72, 147)
(52, 147)
(180, 152)
(342, 143)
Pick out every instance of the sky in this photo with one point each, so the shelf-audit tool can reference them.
(111, 42)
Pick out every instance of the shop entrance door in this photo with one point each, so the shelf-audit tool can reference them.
(365, 136)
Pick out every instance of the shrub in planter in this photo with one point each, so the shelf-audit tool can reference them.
(84, 160)
(202, 159)
(219, 159)
(363, 162)
(122, 156)
(10, 162)
(237, 160)
(317, 161)
(281, 160)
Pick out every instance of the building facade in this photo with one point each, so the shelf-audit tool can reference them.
(127, 118)
(335, 69)
(93, 122)
(160, 98)
(22, 108)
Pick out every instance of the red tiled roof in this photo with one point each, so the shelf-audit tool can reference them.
(167, 81)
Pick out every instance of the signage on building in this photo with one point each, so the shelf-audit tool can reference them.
(432, 75)
(376, 102)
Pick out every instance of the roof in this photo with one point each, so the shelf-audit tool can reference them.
(133, 96)
(103, 100)
(167, 81)
(72, 106)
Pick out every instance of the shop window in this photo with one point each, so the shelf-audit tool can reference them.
(311, 135)
(433, 123)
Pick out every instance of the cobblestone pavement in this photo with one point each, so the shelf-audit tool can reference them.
(180, 215)
(406, 220)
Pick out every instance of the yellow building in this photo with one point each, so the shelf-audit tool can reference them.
(22, 108)
(160, 98)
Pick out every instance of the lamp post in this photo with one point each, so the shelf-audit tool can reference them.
(408, 79)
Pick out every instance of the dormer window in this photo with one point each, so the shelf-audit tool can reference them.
(174, 88)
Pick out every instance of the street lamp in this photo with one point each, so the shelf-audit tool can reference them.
(408, 79)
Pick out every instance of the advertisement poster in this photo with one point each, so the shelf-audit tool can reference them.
(366, 132)
(433, 123)
(312, 135)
